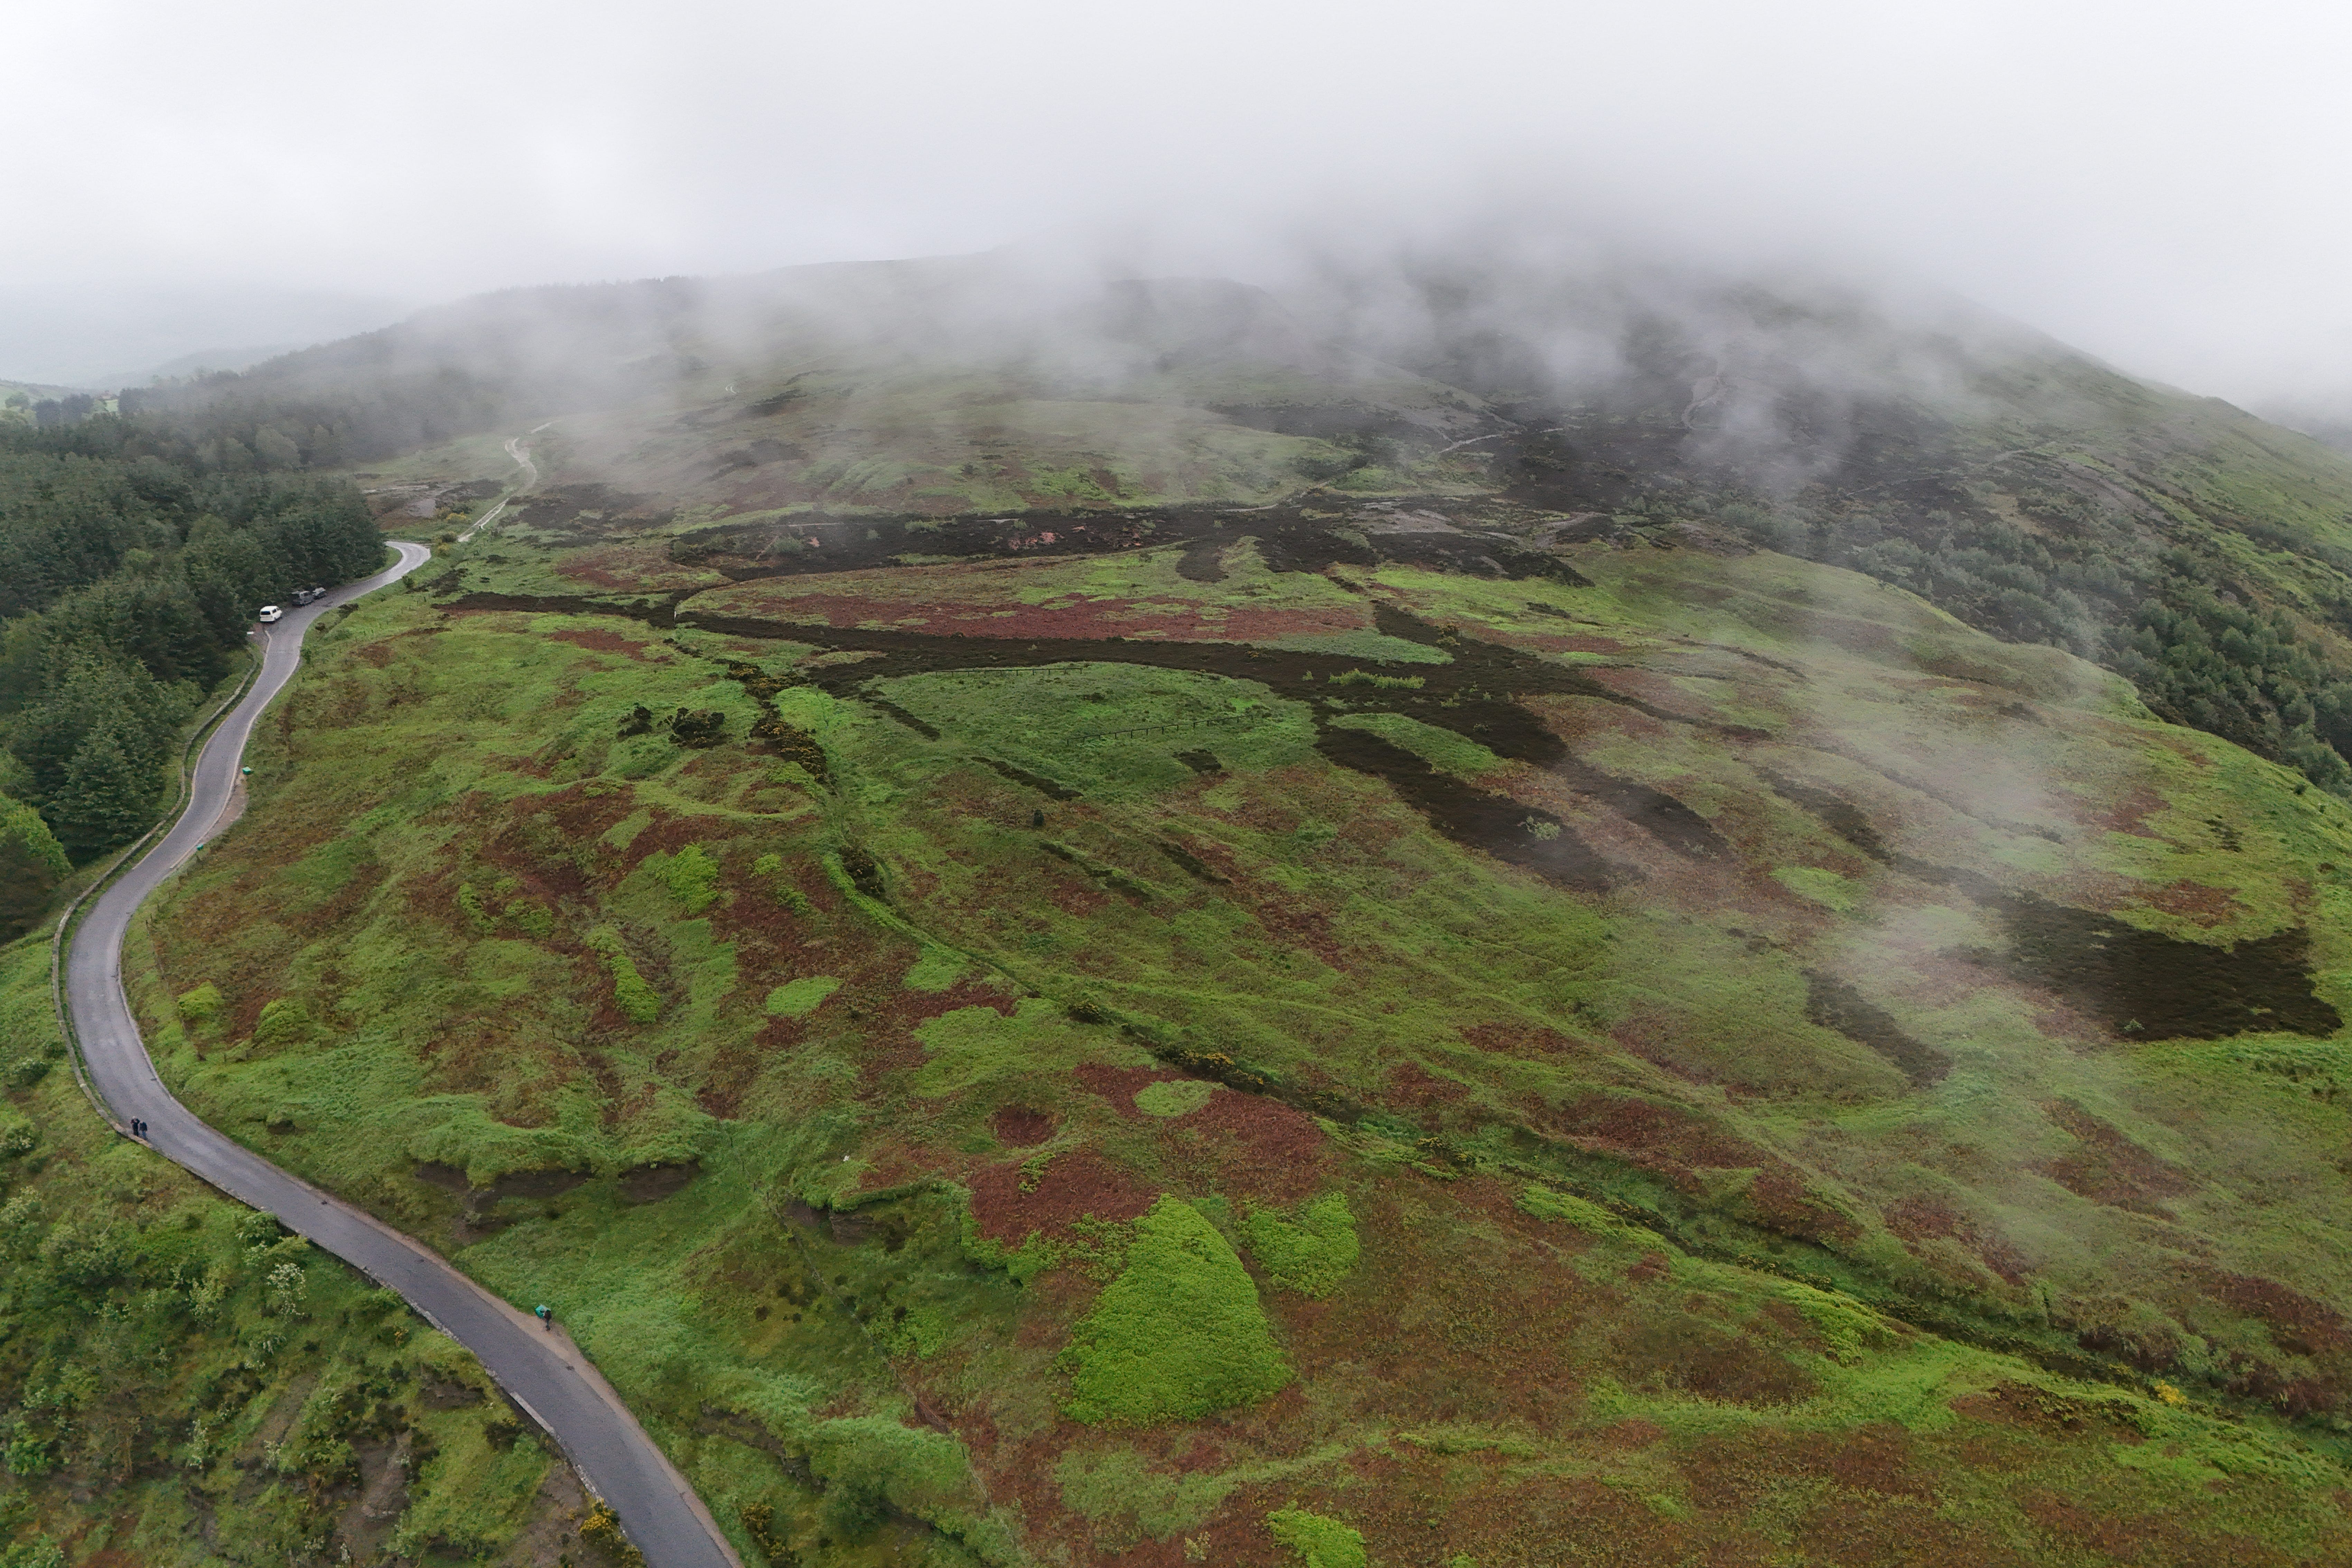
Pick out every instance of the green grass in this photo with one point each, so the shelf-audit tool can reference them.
(1119, 1486)
(799, 998)
(1824, 887)
(1181, 1097)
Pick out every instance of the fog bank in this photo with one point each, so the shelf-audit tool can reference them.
(2149, 182)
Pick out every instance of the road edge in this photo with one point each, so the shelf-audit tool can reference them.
(60, 947)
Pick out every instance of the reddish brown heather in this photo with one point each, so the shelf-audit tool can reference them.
(1119, 1085)
(1918, 1219)
(1077, 1184)
(2195, 901)
(1254, 1148)
(2109, 1168)
(1020, 1127)
(1532, 1042)
(598, 640)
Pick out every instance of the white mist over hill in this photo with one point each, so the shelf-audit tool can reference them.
(2149, 181)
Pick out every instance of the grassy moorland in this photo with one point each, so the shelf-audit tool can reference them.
(189, 1383)
(1260, 1038)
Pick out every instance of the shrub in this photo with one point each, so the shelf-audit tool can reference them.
(1320, 1543)
(40, 1552)
(530, 919)
(603, 1528)
(282, 1023)
(203, 1004)
(1311, 1254)
(759, 1524)
(84, 1259)
(32, 863)
(638, 1001)
(1178, 1334)
(287, 1286)
(692, 876)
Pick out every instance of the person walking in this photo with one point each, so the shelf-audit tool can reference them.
(546, 1318)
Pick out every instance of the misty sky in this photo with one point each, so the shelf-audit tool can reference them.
(2160, 183)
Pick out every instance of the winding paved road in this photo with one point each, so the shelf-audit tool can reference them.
(542, 1369)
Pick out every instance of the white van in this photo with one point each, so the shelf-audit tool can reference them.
(270, 612)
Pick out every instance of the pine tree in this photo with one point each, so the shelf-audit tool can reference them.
(277, 449)
(106, 799)
(32, 864)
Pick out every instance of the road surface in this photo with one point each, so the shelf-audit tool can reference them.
(542, 1369)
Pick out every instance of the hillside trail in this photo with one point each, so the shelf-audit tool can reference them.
(521, 455)
(542, 1370)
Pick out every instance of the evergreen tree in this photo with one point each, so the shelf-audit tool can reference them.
(87, 693)
(106, 798)
(275, 448)
(32, 864)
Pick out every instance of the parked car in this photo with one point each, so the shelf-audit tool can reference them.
(301, 597)
(270, 612)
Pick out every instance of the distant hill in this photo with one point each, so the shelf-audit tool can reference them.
(2027, 488)
(96, 335)
(18, 398)
(2328, 423)
(202, 362)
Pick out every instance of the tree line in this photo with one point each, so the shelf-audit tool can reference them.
(133, 578)
(2180, 624)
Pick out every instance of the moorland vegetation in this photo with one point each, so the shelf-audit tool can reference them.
(185, 1381)
(1297, 954)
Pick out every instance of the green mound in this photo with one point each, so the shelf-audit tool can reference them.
(1320, 1543)
(1309, 1254)
(1178, 1334)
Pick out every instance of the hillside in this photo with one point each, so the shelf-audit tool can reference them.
(185, 1381)
(2203, 553)
(1571, 926)
(20, 400)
